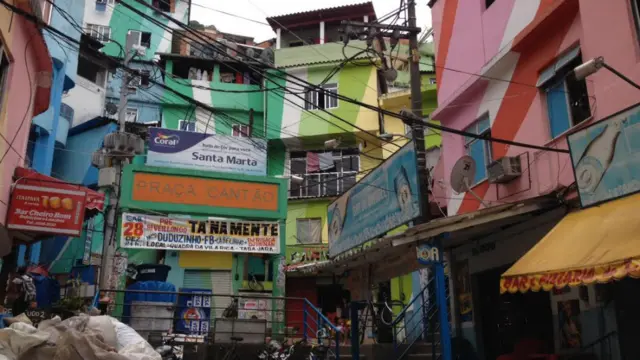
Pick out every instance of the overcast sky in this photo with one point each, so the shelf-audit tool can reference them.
(204, 12)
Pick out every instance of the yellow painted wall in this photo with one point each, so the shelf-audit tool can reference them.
(205, 260)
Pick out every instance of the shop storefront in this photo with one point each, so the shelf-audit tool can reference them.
(221, 233)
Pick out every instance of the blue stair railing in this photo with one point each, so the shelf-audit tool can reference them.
(314, 322)
(420, 320)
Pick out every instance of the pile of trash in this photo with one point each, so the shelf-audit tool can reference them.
(80, 337)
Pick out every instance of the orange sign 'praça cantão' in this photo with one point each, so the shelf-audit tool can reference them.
(206, 192)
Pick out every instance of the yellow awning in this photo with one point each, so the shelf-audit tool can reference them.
(598, 244)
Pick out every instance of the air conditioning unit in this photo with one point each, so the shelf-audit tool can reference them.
(504, 170)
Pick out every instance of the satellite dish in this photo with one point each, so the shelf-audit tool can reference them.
(462, 174)
(111, 108)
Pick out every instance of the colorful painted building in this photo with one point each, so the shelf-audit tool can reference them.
(505, 69)
(26, 81)
(301, 122)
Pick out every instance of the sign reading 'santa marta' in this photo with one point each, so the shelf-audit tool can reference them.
(208, 152)
(141, 231)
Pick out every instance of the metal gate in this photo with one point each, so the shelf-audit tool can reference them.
(219, 282)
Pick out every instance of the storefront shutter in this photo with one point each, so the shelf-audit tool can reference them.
(197, 279)
(221, 285)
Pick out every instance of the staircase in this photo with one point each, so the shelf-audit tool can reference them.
(416, 329)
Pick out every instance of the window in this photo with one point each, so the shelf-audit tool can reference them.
(334, 173)
(479, 150)
(101, 5)
(185, 125)
(140, 80)
(99, 32)
(240, 130)
(567, 98)
(635, 9)
(309, 231)
(4, 71)
(432, 81)
(131, 115)
(322, 99)
(142, 39)
(488, 3)
(162, 5)
(91, 70)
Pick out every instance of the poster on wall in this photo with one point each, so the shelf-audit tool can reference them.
(381, 201)
(207, 152)
(463, 289)
(141, 231)
(569, 324)
(194, 312)
(606, 157)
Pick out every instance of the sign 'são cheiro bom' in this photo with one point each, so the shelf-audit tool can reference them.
(157, 232)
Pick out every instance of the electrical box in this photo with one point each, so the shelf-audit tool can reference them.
(107, 177)
(504, 170)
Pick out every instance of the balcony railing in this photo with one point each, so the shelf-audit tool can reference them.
(316, 185)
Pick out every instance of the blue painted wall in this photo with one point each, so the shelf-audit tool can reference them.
(146, 99)
(73, 163)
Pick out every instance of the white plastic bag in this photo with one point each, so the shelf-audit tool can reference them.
(131, 344)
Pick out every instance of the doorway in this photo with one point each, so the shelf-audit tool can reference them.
(507, 319)
(626, 293)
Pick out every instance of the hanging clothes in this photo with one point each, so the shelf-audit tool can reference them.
(313, 162)
(205, 76)
(199, 74)
(326, 161)
(192, 73)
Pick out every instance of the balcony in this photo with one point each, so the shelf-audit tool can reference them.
(64, 123)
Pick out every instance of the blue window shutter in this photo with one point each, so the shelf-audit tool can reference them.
(476, 151)
(558, 109)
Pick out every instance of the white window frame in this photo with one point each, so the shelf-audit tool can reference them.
(186, 125)
(129, 111)
(308, 222)
(4, 73)
(101, 30)
(138, 43)
(313, 184)
(242, 130)
(312, 98)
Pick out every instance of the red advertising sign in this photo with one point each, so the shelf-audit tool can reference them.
(52, 208)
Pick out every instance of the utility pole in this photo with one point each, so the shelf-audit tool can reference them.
(417, 129)
(411, 32)
(119, 148)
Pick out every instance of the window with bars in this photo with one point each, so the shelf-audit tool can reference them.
(309, 231)
(240, 130)
(333, 181)
(99, 32)
(322, 99)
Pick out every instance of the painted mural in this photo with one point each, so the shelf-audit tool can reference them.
(504, 64)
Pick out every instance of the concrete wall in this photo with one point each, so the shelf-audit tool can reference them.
(87, 99)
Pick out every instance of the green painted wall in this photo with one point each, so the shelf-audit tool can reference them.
(306, 209)
(285, 120)
(123, 19)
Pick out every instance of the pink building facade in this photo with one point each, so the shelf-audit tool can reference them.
(503, 69)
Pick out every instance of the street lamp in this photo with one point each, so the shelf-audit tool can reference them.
(592, 66)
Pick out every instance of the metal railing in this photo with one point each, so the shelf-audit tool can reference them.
(325, 184)
(419, 321)
(201, 319)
